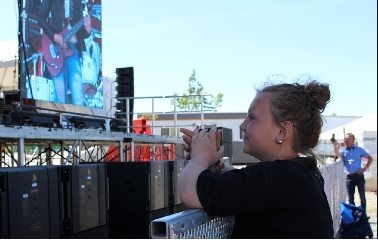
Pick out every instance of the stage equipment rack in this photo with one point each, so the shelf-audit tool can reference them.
(13, 140)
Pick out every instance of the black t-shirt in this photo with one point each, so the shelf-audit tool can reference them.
(280, 199)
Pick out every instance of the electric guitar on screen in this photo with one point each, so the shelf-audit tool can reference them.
(53, 53)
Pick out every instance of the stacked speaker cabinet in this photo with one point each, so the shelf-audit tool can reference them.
(138, 194)
(9, 98)
(30, 202)
(226, 141)
(175, 168)
(125, 88)
(85, 203)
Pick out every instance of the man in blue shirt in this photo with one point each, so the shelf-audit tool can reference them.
(352, 158)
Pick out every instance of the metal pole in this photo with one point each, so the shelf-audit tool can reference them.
(71, 151)
(153, 116)
(12, 153)
(2, 155)
(62, 161)
(202, 115)
(128, 115)
(21, 152)
(153, 153)
(175, 115)
(24, 16)
(49, 153)
(80, 147)
(121, 155)
(161, 152)
(132, 151)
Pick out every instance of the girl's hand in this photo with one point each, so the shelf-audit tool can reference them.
(187, 137)
(203, 144)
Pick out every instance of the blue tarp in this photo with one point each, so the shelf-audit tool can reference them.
(355, 222)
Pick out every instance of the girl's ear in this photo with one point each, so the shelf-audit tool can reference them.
(286, 130)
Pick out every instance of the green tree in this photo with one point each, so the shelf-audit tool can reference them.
(193, 103)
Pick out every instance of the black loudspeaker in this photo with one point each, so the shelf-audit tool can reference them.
(125, 88)
(133, 224)
(32, 118)
(86, 200)
(175, 204)
(87, 123)
(138, 186)
(117, 125)
(138, 194)
(226, 141)
(30, 203)
(126, 71)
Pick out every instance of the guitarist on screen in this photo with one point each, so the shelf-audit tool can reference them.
(65, 27)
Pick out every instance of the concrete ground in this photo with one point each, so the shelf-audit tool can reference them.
(371, 201)
(371, 209)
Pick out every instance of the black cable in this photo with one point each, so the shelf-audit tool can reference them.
(21, 40)
(181, 157)
(147, 149)
(166, 154)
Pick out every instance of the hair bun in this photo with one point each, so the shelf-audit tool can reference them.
(318, 93)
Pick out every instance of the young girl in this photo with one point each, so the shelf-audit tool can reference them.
(283, 195)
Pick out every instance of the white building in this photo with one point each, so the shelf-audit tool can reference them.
(365, 132)
(364, 129)
(227, 120)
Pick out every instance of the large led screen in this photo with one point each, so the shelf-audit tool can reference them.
(61, 51)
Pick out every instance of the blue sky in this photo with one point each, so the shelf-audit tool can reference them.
(236, 45)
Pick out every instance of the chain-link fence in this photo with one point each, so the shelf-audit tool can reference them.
(195, 223)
